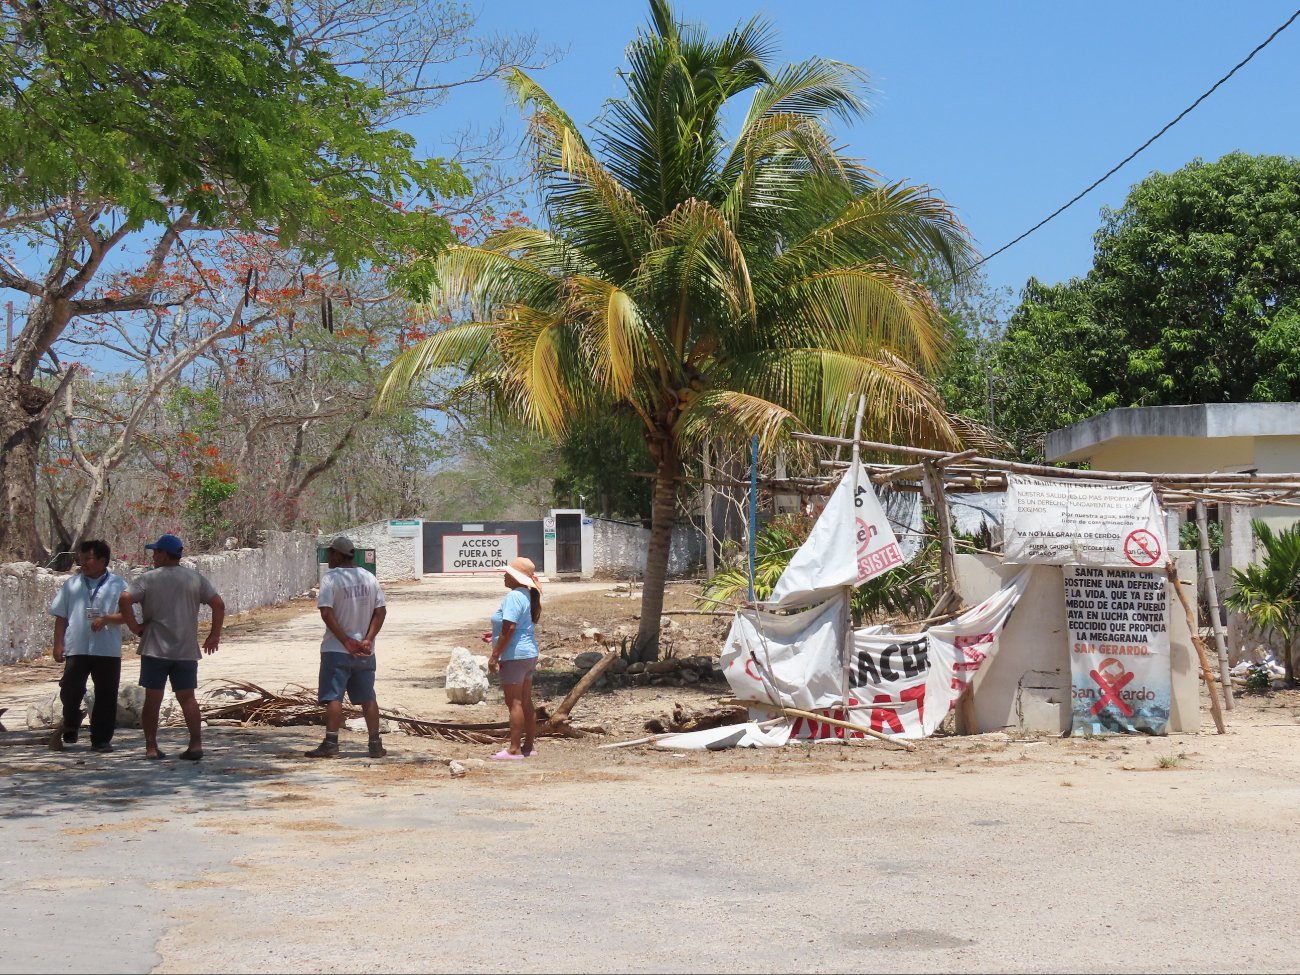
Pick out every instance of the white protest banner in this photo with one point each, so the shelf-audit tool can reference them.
(793, 661)
(919, 675)
(1119, 650)
(478, 553)
(1066, 522)
(850, 543)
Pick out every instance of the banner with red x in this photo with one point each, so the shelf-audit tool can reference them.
(1118, 624)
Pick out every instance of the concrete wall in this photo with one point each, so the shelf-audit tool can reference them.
(1161, 455)
(620, 549)
(284, 567)
(1027, 684)
(396, 557)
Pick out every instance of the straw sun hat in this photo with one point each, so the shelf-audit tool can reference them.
(524, 572)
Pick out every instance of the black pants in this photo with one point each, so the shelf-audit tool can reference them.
(106, 672)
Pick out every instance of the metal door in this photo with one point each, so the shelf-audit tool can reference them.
(568, 543)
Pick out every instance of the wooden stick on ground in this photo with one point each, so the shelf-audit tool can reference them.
(561, 715)
(1201, 651)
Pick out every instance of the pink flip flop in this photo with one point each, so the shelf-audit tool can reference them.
(506, 755)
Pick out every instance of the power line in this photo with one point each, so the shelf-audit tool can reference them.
(1132, 155)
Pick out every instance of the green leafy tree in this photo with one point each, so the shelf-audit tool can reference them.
(1193, 297)
(601, 457)
(702, 282)
(1268, 593)
(126, 120)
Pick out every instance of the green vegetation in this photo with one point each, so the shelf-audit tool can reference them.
(1268, 593)
(1193, 297)
(700, 281)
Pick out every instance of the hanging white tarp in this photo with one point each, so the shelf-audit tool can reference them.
(795, 662)
(850, 543)
(1105, 523)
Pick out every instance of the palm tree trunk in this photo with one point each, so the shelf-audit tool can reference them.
(663, 516)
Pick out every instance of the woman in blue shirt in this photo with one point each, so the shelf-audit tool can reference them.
(514, 653)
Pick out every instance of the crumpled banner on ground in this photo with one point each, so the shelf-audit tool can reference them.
(748, 735)
(795, 661)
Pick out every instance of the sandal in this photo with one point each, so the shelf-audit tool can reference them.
(156, 756)
(190, 755)
(506, 755)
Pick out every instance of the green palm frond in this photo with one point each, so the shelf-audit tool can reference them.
(467, 346)
(621, 344)
(861, 308)
(725, 414)
(695, 255)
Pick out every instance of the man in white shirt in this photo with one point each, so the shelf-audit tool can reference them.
(352, 607)
(88, 642)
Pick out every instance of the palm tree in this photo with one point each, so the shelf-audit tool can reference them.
(707, 285)
(1268, 593)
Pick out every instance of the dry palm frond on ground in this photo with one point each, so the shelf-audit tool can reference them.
(297, 705)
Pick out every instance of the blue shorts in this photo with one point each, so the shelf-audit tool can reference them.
(155, 672)
(341, 672)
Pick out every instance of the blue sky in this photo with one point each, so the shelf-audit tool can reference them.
(1007, 108)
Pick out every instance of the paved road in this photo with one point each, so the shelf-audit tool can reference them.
(973, 855)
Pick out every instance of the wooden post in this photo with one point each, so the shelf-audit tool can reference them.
(1201, 651)
(1212, 598)
(708, 513)
(947, 544)
(846, 651)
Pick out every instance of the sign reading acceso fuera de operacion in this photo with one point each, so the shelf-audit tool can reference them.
(1102, 523)
(478, 553)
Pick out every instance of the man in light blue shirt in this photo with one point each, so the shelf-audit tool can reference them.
(88, 642)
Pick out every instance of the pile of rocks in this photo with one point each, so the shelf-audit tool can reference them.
(670, 672)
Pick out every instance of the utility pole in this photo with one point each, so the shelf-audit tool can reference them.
(9, 329)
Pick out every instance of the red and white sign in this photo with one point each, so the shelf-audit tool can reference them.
(851, 542)
(478, 553)
(1118, 623)
(1066, 522)
(1142, 548)
(898, 684)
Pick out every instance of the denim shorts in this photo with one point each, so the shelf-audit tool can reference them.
(155, 672)
(517, 671)
(341, 672)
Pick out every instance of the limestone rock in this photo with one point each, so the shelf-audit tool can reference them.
(592, 633)
(661, 666)
(619, 666)
(587, 659)
(636, 667)
(46, 712)
(456, 769)
(467, 680)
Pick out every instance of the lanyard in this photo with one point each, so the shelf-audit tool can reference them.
(92, 593)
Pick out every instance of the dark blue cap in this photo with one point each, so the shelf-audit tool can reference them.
(169, 544)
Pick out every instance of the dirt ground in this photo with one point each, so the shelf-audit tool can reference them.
(995, 852)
